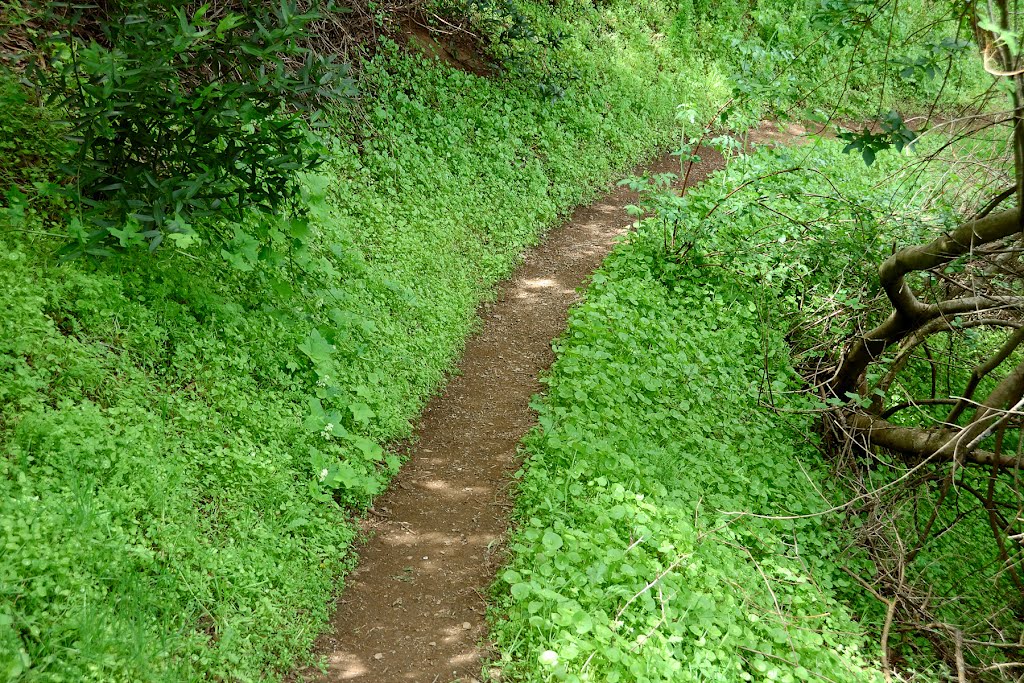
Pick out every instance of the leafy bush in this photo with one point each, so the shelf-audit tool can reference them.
(177, 117)
(828, 59)
(523, 44)
(26, 141)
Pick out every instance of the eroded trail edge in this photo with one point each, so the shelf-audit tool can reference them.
(414, 608)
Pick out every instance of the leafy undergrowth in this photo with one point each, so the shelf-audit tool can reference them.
(182, 440)
(668, 518)
(626, 568)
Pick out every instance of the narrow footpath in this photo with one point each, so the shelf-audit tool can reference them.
(413, 610)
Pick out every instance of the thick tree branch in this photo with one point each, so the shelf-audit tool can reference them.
(938, 252)
(919, 444)
(920, 336)
(908, 311)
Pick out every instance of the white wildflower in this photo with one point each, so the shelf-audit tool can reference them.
(323, 474)
(549, 657)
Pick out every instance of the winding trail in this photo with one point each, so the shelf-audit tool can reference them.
(413, 610)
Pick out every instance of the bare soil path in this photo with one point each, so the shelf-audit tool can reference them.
(413, 610)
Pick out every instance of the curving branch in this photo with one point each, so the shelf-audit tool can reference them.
(889, 412)
(920, 336)
(909, 312)
(990, 414)
(996, 201)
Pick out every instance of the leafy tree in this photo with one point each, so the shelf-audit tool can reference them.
(916, 366)
(928, 391)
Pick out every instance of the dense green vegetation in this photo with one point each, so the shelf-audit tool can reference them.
(672, 411)
(677, 520)
(166, 491)
(186, 434)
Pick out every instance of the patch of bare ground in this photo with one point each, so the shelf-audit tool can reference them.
(413, 610)
(454, 45)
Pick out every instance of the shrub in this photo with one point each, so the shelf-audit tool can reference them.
(176, 116)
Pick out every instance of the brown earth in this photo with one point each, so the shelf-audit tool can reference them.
(413, 610)
(453, 45)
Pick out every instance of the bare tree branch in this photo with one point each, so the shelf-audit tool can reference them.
(909, 312)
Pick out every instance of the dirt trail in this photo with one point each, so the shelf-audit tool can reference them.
(413, 610)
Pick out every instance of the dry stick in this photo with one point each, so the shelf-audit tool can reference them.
(650, 632)
(1003, 665)
(457, 28)
(633, 544)
(914, 403)
(886, 627)
(996, 520)
(675, 563)
(767, 583)
(864, 496)
(749, 182)
(961, 667)
(1015, 410)
(923, 537)
(989, 643)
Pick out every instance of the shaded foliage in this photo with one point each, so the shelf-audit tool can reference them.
(178, 114)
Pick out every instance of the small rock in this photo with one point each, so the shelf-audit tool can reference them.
(466, 626)
(379, 656)
(433, 644)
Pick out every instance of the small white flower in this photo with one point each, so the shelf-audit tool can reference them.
(323, 474)
(549, 657)
(329, 428)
